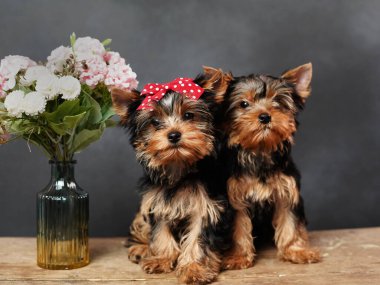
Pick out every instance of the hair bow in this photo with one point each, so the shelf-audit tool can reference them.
(155, 91)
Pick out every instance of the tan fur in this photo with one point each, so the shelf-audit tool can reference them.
(246, 189)
(164, 251)
(217, 81)
(197, 141)
(243, 252)
(196, 273)
(252, 135)
(245, 128)
(137, 252)
(164, 248)
(278, 99)
(120, 101)
(140, 229)
(181, 205)
(301, 78)
(194, 145)
(196, 266)
(137, 243)
(291, 237)
(154, 264)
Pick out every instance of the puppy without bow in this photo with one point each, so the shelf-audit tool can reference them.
(171, 127)
(259, 123)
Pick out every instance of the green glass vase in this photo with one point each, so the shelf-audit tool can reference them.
(62, 220)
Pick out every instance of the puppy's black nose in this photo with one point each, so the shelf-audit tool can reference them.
(174, 137)
(264, 118)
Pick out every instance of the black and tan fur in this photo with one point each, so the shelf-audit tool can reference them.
(259, 123)
(180, 222)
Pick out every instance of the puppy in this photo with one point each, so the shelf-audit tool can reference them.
(259, 123)
(180, 221)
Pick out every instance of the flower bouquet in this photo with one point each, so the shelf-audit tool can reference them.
(62, 107)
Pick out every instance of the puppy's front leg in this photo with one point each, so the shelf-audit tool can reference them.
(242, 252)
(197, 264)
(138, 241)
(164, 250)
(141, 230)
(290, 231)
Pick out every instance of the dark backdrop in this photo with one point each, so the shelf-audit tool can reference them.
(337, 146)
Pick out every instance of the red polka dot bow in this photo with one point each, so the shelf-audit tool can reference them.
(155, 91)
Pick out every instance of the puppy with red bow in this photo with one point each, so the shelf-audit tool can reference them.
(180, 222)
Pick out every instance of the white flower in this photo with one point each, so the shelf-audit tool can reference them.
(14, 103)
(69, 87)
(31, 104)
(2, 84)
(57, 58)
(87, 48)
(10, 66)
(48, 86)
(34, 73)
(34, 103)
(9, 83)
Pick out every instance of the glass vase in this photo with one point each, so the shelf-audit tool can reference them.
(62, 220)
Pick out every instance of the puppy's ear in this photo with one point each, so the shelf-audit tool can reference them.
(301, 78)
(216, 81)
(122, 100)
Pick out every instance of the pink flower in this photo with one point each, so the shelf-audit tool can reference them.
(4, 135)
(93, 71)
(112, 57)
(10, 66)
(4, 138)
(119, 74)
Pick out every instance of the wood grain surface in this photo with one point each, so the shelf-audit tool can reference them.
(350, 256)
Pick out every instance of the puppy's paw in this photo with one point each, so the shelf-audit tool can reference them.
(301, 255)
(232, 262)
(157, 265)
(195, 273)
(137, 252)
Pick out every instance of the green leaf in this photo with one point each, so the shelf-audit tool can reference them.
(72, 39)
(67, 108)
(72, 122)
(36, 140)
(106, 42)
(21, 126)
(95, 113)
(2, 109)
(25, 89)
(59, 128)
(69, 124)
(108, 113)
(85, 138)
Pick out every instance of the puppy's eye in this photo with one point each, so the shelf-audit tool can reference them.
(244, 104)
(188, 116)
(155, 122)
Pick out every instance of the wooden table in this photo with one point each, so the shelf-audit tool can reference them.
(349, 257)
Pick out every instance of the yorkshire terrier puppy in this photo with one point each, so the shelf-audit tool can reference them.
(180, 220)
(259, 122)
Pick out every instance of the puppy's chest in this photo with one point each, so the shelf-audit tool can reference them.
(186, 202)
(261, 166)
(259, 179)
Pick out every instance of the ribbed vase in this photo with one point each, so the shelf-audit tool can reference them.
(62, 221)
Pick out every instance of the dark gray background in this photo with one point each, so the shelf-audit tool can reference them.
(337, 147)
